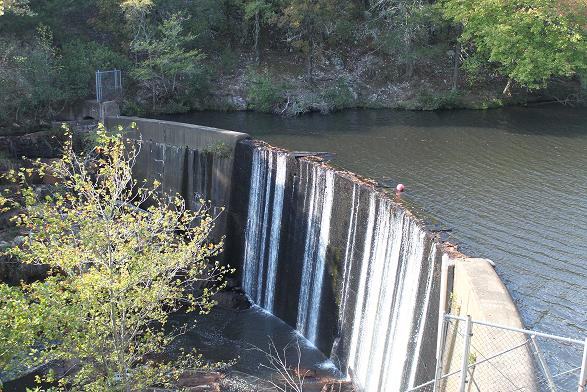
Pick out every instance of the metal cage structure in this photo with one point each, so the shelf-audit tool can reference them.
(108, 85)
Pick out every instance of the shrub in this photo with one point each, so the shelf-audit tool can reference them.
(338, 96)
(262, 94)
(117, 271)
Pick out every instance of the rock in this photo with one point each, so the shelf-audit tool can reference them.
(238, 102)
(18, 240)
(14, 272)
(6, 218)
(200, 381)
(44, 190)
(44, 144)
(232, 299)
(4, 244)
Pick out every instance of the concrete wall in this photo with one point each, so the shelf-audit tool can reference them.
(90, 109)
(479, 292)
(194, 161)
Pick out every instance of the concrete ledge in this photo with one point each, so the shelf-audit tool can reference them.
(194, 161)
(178, 134)
(479, 292)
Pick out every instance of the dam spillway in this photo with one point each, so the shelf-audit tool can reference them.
(341, 261)
(325, 250)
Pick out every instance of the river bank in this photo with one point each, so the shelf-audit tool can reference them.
(280, 84)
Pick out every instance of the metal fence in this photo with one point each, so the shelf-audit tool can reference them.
(108, 85)
(479, 356)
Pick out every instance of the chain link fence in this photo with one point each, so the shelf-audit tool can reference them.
(108, 85)
(483, 357)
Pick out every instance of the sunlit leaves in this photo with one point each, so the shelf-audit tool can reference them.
(122, 258)
(530, 41)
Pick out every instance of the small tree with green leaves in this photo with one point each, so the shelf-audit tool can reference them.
(169, 69)
(118, 269)
(528, 41)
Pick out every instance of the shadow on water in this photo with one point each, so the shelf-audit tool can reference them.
(245, 336)
(529, 120)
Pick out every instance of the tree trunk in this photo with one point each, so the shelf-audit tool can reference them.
(455, 69)
(507, 89)
(257, 32)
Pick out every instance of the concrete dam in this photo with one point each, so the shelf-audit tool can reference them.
(328, 252)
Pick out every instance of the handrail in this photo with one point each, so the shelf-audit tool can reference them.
(525, 331)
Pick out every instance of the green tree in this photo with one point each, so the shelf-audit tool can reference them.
(305, 22)
(528, 41)
(17, 7)
(118, 270)
(29, 75)
(169, 70)
(259, 12)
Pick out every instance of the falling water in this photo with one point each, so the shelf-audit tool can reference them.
(263, 229)
(317, 238)
(251, 253)
(388, 266)
(275, 231)
(386, 299)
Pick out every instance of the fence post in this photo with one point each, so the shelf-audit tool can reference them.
(98, 86)
(583, 376)
(440, 352)
(443, 297)
(543, 365)
(466, 350)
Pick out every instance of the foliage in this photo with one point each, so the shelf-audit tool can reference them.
(29, 78)
(529, 41)
(338, 96)
(263, 95)
(22, 321)
(122, 255)
(434, 100)
(169, 70)
(17, 7)
(172, 51)
(79, 60)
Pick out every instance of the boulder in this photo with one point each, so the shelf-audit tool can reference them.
(232, 299)
(44, 144)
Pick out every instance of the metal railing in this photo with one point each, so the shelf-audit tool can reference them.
(108, 85)
(478, 356)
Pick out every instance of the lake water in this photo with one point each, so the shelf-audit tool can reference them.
(510, 183)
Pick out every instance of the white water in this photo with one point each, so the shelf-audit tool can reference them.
(323, 239)
(349, 251)
(385, 310)
(263, 232)
(251, 254)
(275, 231)
(387, 326)
(317, 238)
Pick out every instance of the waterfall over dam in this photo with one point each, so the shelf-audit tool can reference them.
(327, 251)
(353, 270)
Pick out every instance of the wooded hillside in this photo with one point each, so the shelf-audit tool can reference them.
(288, 56)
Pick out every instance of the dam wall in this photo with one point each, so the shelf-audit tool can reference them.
(347, 265)
(330, 253)
(192, 160)
(479, 292)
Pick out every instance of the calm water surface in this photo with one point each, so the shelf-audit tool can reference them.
(511, 183)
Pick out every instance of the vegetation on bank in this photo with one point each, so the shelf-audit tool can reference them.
(121, 258)
(288, 56)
